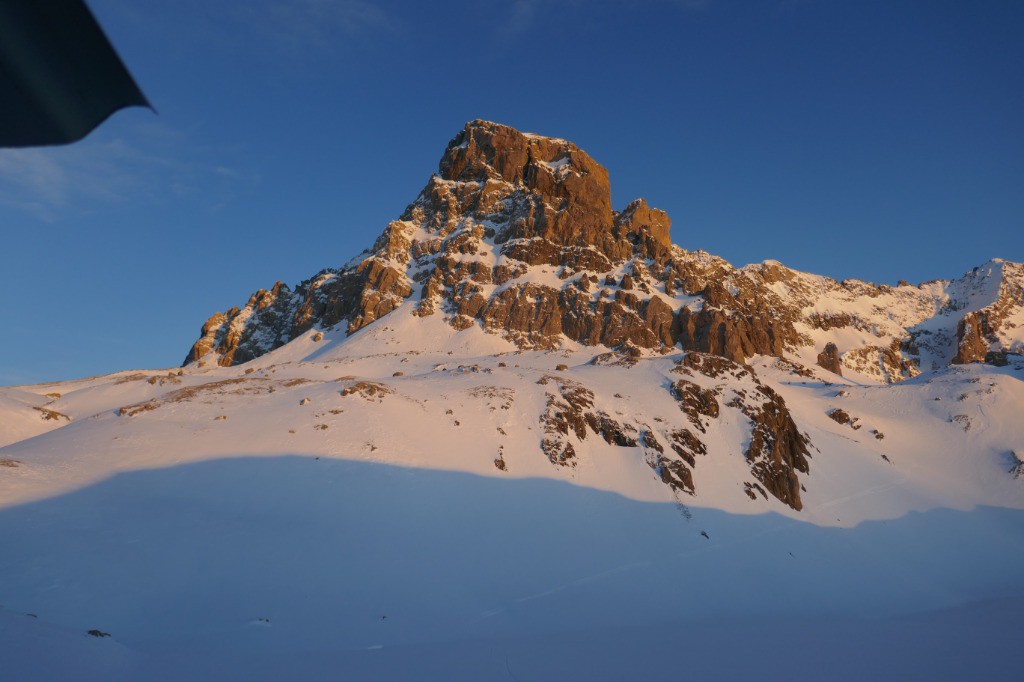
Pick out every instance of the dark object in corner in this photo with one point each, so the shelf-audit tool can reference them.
(59, 75)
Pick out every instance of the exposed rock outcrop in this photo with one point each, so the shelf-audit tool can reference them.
(777, 450)
(971, 344)
(829, 359)
(570, 412)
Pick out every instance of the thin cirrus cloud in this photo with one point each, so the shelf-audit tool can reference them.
(141, 164)
(305, 25)
(51, 182)
(255, 29)
(521, 15)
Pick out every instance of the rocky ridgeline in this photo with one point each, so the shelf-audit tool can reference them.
(502, 204)
(506, 206)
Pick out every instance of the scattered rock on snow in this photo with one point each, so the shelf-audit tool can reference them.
(1017, 469)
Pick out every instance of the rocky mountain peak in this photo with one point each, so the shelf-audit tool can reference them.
(515, 235)
(483, 150)
(565, 193)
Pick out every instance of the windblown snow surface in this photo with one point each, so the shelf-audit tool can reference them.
(284, 519)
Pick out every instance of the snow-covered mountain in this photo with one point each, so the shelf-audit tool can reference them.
(515, 236)
(527, 437)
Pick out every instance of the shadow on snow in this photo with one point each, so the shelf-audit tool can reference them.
(379, 570)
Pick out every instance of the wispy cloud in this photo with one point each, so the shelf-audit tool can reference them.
(521, 15)
(311, 25)
(43, 182)
(519, 18)
(255, 28)
(793, 5)
(146, 163)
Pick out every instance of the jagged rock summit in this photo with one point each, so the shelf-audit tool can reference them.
(502, 201)
(516, 234)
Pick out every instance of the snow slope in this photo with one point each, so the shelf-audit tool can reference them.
(334, 508)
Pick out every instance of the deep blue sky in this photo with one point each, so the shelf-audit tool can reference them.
(881, 140)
